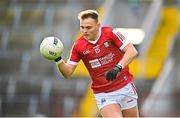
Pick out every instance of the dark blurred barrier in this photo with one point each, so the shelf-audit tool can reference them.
(31, 97)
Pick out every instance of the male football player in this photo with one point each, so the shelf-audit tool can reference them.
(106, 54)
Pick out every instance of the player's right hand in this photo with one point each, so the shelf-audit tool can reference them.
(58, 59)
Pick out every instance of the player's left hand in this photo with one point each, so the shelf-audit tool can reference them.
(112, 73)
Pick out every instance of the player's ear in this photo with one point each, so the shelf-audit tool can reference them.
(98, 25)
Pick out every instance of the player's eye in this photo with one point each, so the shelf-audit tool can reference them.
(81, 27)
(88, 27)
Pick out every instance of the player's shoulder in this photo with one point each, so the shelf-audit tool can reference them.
(79, 42)
(106, 29)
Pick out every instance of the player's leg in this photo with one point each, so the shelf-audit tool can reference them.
(108, 105)
(132, 112)
(111, 110)
(128, 102)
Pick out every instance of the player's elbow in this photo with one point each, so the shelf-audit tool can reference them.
(131, 51)
(134, 53)
(66, 70)
(67, 74)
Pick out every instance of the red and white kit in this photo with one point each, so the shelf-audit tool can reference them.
(101, 55)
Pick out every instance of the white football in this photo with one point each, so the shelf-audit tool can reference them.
(51, 47)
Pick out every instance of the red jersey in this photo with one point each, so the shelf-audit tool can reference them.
(101, 55)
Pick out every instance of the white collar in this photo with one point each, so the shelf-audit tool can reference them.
(95, 41)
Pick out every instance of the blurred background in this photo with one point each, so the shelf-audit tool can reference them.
(31, 85)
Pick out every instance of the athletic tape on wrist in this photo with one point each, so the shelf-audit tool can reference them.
(60, 61)
(121, 65)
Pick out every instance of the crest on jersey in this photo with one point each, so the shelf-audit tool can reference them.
(106, 44)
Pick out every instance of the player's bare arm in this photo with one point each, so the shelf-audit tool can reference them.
(129, 53)
(51, 48)
(66, 69)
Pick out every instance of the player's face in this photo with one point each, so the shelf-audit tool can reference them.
(89, 28)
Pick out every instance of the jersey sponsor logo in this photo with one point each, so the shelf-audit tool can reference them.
(101, 61)
(95, 63)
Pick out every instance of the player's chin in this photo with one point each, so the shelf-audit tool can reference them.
(86, 37)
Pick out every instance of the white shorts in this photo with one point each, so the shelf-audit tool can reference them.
(126, 97)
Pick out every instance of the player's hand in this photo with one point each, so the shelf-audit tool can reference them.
(112, 73)
(58, 59)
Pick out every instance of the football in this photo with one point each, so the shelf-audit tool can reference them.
(51, 47)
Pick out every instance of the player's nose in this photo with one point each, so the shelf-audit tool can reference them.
(84, 31)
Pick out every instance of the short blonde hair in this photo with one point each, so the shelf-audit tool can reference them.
(88, 14)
